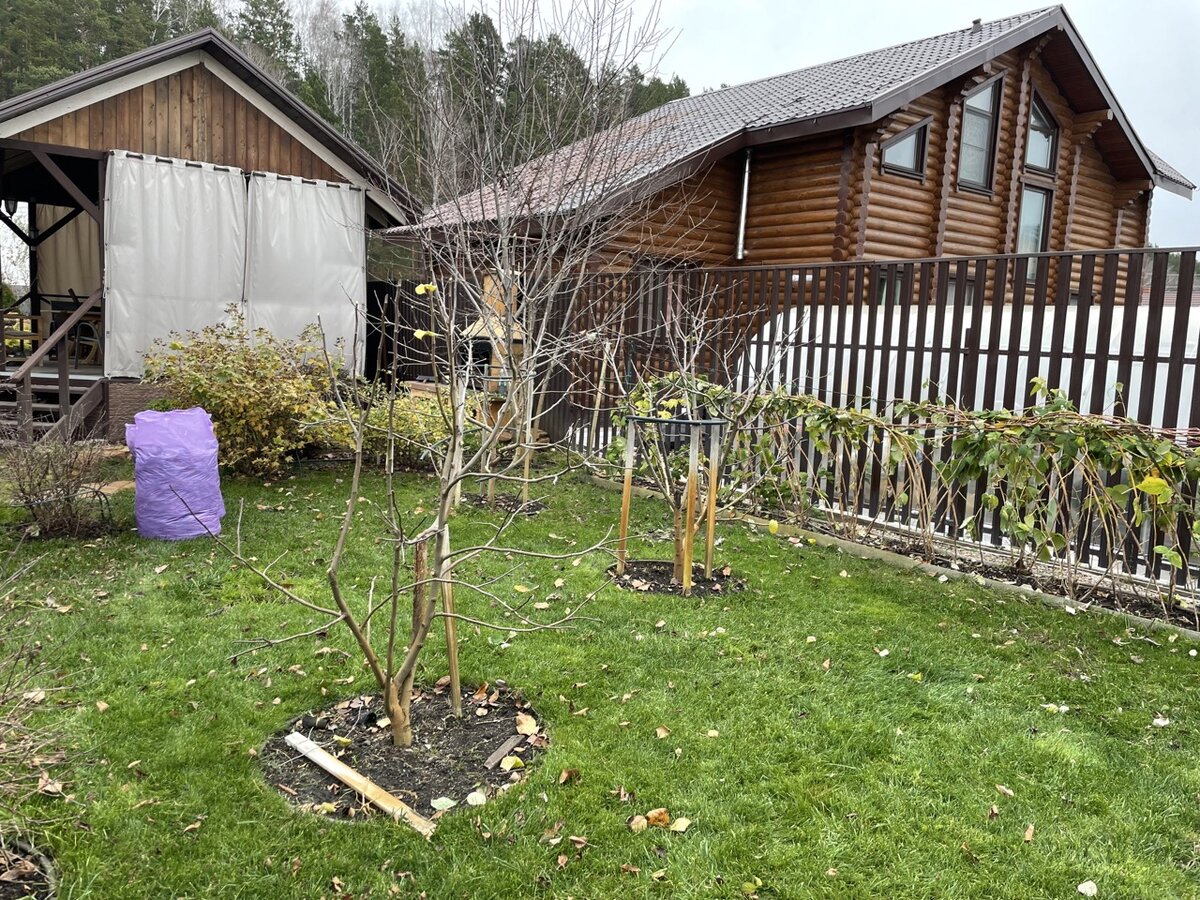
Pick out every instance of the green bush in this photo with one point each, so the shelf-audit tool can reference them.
(264, 393)
(416, 419)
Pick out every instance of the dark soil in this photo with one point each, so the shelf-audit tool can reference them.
(508, 503)
(654, 576)
(446, 759)
(1098, 595)
(24, 873)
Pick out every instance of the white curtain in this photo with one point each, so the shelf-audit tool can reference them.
(174, 252)
(306, 260)
(68, 260)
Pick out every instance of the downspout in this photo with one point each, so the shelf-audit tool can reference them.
(741, 235)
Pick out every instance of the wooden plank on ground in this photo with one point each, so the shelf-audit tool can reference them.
(393, 806)
(503, 750)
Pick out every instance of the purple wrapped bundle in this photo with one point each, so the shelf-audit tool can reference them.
(175, 470)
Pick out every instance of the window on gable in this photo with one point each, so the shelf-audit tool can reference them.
(1032, 229)
(977, 150)
(905, 153)
(1042, 148)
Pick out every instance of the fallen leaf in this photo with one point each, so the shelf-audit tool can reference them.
(568, 775)
(476, 798)
(443, 803)
(994, 812)
(1029, 834)
(526, 724)
(511, 762)
(47, 785)
(480, 693)
(662, 731)
(811, 639)
(101, 706)
(629, 869)
(541, 604)
(578, 841)
(659, 818)
(521, 589)
(659, 875)
(712, 733)
(562, 860)
(195, 826)
(637, 824)
(883, 654)
(844, 574)
(581, 712)
(681, 824)
(1088, 888)
(34, 696)
(1005, 791)
(158, 570)
(1161, 722)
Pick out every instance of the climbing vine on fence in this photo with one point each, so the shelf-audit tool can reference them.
(1081, 494)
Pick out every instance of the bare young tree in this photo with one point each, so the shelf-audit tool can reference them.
(534, 168)
(700, 422)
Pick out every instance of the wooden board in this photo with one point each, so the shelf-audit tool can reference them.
(391, 805)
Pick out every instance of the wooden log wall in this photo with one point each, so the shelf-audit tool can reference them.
(191, 115)
(900, 208)
(794, 200)
(695, 221)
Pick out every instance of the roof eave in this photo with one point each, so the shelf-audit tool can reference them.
(1174, 187)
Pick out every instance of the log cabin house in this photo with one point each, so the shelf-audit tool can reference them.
(161, 188)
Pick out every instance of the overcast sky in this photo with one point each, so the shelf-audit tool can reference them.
(1148, 50)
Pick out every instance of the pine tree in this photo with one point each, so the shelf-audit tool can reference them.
(265, 28)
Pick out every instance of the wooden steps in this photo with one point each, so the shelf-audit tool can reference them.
(46, 396)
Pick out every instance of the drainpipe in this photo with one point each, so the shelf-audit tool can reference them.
(741, 236)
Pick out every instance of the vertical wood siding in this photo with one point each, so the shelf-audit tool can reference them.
(192, 115)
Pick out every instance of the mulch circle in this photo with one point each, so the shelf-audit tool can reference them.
(447, 757)
(652, 576)
(25, 872)
(508, 503)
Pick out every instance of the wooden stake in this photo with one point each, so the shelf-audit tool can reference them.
(626, 494)
(451, 626)
(393, 806)
(714, 477)
(689, 516)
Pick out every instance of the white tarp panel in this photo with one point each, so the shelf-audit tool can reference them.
(68, 260)
(174, 252)
(306, 258)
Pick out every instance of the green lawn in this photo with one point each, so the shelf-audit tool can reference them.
(869, 775)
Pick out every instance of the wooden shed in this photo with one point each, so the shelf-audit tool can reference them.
(161, 188)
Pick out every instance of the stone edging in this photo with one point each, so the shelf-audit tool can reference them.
(907, 563)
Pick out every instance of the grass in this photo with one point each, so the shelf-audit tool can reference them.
(868, 775)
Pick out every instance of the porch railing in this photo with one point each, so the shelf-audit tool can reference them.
(21, 380)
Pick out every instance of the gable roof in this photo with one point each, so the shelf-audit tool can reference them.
(667, 144)
(236, 68)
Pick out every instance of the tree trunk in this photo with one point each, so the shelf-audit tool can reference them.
(398, 699)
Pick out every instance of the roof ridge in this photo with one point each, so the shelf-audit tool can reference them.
(1024, 16)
